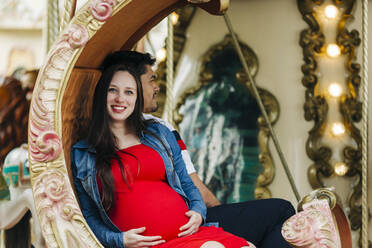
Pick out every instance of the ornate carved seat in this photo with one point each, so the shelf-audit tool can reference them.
(61, 105)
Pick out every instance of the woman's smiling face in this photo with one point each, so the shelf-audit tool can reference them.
(121, 97)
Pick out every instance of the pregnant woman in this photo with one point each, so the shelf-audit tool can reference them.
(130, 178)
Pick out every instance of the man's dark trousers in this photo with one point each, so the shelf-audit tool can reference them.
(258, 221)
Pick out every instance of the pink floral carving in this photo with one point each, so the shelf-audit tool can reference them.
(54, 188)
(76, 35)
(102, 9)
(47, 146)
(44, 143)
(53, 196)
(49, 188)
(312, 228)
(68, 209)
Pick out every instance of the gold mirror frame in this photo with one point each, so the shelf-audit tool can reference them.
(271, 104)
(312, 41)
(98, 28)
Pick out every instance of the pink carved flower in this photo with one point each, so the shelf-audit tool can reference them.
(47, 147)
(102, 9)
(52, 198)
(68, 208)
(54, 186)
(55, 189)
(49, 191)
(317, 235)
(299, 223)
(76, 35)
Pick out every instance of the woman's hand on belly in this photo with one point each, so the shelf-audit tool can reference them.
(133, 239)
(192, 226)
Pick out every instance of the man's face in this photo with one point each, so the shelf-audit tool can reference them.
(150, 90)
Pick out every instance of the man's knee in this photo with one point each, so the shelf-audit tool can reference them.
(285, 207)
(280, 210)
(212, 244)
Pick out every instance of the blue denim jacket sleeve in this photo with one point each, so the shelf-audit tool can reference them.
(193, 194)
(105, 235)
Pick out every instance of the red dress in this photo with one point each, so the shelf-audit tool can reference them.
(150, 202)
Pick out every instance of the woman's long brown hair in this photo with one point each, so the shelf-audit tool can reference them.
(101, 137)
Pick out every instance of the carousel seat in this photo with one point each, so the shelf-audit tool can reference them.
(62, 101)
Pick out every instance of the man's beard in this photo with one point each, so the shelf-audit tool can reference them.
(155, 108)
(151, 109)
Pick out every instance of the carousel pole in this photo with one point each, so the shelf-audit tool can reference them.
(52, 22)
(262, 107)
(2, 239)
(69, 12)
(169, 105)
(365, 218)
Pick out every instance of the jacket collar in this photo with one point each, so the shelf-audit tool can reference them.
(83, 145)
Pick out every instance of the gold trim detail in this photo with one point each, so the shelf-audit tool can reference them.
(315, 107)
(312, 41)
(319, 194)
(270, 102)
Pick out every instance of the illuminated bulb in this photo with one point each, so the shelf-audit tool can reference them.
(161, 54)
(335, 90)
(338, 129)
(333, 50)
(341, 168)
(174, 18)
(331, 11)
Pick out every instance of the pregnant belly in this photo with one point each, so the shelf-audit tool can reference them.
(151, 204)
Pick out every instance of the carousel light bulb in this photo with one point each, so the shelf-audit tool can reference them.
(335, 89)
(331, 11)
(333, 50)
(338, 129)
(174, 18)
(161, 54)
(340, 168)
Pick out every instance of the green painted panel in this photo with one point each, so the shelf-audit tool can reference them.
(220, 130)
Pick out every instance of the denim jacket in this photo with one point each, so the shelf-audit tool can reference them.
(83, 168)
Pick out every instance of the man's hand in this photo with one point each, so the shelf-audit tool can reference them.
(133, 239)
(193, 225)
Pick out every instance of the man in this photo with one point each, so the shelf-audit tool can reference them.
(258, 221)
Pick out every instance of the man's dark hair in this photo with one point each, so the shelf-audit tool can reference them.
(132, 59)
